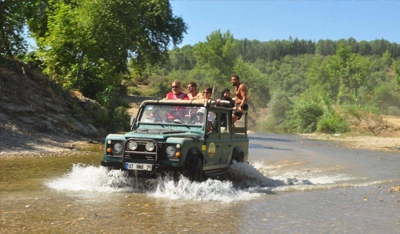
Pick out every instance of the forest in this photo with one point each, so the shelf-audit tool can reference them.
(295, 85)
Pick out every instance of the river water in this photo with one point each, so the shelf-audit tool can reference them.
(291, 185)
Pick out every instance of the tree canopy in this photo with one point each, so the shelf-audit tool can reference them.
(13, 15)
(216, 57)
(87, 44)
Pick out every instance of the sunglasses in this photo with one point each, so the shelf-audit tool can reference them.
(189, 87)
(174, 87)
(206, 92)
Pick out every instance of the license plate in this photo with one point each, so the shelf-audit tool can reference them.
(139, 166)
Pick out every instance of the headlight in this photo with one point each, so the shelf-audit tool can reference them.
(133, 145)
(117, 147)
(150, 146)
(170, 150)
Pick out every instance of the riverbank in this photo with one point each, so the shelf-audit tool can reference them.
(383, 135)
(375, 143)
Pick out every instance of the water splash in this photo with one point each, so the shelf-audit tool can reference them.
(91, 178)
(209, 190)
(246, 181)
(245, 175)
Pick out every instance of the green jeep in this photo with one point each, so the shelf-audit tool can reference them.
(194, 138)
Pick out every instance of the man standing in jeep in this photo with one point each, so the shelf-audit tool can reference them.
(240, 99)
(176, 92)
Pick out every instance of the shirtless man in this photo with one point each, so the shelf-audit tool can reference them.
(240, 99)
(192, 91)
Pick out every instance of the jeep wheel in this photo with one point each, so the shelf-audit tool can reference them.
(195, 170)
(238, 156)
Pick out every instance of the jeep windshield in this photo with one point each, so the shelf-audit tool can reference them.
(182, 115)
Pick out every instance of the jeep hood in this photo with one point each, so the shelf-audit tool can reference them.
(158, 133)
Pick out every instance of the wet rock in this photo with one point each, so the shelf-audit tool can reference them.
(102, 131)
(27, 120)
(4, 117)
(60, 117)
(16, 108)
(87, 130)
(77, 126)
(395, 188)
(54, 107)
(93, 131)
(52, 120)
(38, 100)
(43, 126)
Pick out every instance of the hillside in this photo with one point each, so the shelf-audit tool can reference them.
(36, 115)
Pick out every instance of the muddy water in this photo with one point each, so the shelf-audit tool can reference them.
(291, 185)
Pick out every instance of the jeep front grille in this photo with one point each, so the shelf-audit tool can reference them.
(140, 152)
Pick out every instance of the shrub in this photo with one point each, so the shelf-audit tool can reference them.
(385, 96)
(113, 117)
(278, 105)
(393, 110)
(119, 120)
(133, 91)
(332, 124)
(304, 117)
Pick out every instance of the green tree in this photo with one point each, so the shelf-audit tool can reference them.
(325, 47)
(216, 57)
(387, 58)
(396, 70)
(12, 19)
(88, 43)
(181, 58)
(339, 76)
(364, 48)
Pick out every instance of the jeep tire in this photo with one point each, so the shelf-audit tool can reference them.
(238, 156)
(195, 169)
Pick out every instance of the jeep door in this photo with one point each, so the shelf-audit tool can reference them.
(218, 140)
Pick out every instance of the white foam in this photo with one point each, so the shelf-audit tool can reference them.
(210, 190)
(90, 178)
(247, 181)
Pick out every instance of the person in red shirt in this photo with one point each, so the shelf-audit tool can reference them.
(176, 94)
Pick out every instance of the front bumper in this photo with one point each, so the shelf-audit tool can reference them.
(156, 169)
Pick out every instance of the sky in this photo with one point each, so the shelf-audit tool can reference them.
(278, 20)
